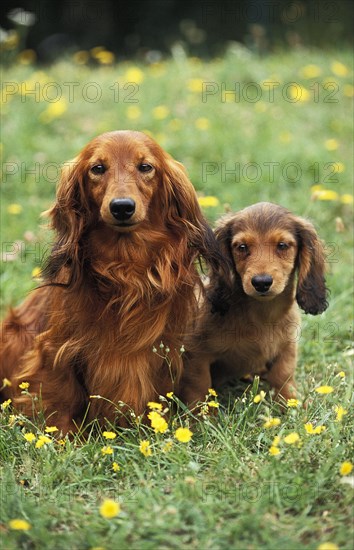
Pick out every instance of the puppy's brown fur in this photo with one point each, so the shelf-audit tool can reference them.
(251, 323)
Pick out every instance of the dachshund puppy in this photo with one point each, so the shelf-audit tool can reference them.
(249, 323)
(119, 281)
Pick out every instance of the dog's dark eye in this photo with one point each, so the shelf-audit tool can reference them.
(144, 167)
(98, 169)
(282, 246)
(242, 248)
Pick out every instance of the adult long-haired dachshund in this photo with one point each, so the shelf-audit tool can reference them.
(120, 279)
(249, 322)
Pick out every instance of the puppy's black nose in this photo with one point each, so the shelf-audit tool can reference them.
(262, 283)
(122, 209)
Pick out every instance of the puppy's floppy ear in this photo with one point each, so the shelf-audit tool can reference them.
(69, 219)
(311, 293)
(220, 290)
(184, 216)
(223, 234)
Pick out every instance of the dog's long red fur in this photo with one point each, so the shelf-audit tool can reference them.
(112, 291)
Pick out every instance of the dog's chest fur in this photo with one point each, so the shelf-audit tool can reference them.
(250, 341)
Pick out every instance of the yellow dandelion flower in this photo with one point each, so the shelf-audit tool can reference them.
(42, 440)
(61, 442)
(345, 468)
(134, 74)
(115, 467)
(311, 430)
(160, 112)
(341, 374)
(107, 450)
(54, 110)
(158, 423)
(12, 419)
(339, 69)
(308, 427)
(105, 57)
(169, 394)
(310, 71)
(133, 112)
(213, 404)
(298, 93)
(81, 57)
(340, 412)
(27, 57)
(274, 451)
(319, 429)
(208, 201)
(195, 85)
(36, 272)
(305, 94)
(155, 406)
(51, 429)
(24, 385)
(212, 392)
(276, 441)
(271, 422)
(6, 404)
(202, 123)
(19, 525)
(323, 390)
(30, 437)
(167, 447)
(6, 383)
(331, 144)
(145, 448)
(293, 402)
(346, 199)
(96, 50)
(109, 508)
(259, 397)
(348, 90)
(183, 435)
(325, 195)
(339, 167)
(292, 438)
(328, 546)
(109, 435)
(14, 209)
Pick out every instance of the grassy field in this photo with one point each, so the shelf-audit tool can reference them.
(247, 129)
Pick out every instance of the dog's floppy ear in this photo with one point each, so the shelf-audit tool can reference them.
(220, 290)
(69, 219)
(183, 214)
(311, 293)
(223, 234)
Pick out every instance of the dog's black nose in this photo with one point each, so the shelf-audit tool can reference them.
(262, 283)
(122, 209)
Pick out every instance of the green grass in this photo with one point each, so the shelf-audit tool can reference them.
(222, 489)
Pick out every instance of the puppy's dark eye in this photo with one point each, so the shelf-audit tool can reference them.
(242, 248)
(98, 169)
(144, 167)
(282, 246)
